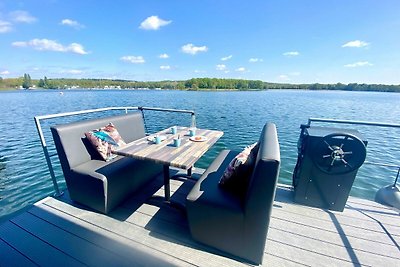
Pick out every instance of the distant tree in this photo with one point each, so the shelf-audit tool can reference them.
(180, 86)
(41, 83)
(255, 84)
(189, 84)
(44, 83)
(27, 82)
(194, 86)
(242, 84)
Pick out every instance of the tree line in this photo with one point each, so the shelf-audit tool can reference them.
(26, 82)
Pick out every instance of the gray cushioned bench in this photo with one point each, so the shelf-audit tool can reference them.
(230, 222)
(92, 181)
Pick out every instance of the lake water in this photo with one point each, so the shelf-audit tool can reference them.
(24, 177)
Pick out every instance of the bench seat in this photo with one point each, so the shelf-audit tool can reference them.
(92, 181)
(229, 221)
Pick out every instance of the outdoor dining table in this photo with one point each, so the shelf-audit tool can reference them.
(191, 149)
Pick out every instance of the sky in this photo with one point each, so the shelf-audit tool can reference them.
(296, 41)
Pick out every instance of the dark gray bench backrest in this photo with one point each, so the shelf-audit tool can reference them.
(262, 185)
(71, 143)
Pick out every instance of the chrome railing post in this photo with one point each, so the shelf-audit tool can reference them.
(193, 123)
(397, 177)
(57, 192)
(144, 120)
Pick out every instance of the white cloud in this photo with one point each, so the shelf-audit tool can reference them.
(133, 59)
(358, 64)
(221, 67)
(163, 56)
(77, 49)
(20, 44)
(6, 72)
(5, 26)
(356, 43)
(241, 69)
(22, 16)
(291, 54)
(165, 67)
(72, 23)
(153, 23)
(226, 58)
(193, 50)
(289, 76)
(283, 77)
(199, 71)
(254, 60)
(51, 45)
(75, 72)
(18, 16)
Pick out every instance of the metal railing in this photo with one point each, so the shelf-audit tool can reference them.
(366, 123)
(43, 142)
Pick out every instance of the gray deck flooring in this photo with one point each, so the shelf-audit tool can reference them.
(56, 232)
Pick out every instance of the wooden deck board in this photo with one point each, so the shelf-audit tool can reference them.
(143, 236)
(70, 244)
(145, 231)
(342, 236)
(301, 256)
(11, 257)
(126, 248)
(373, 246)
(373, 231)
(344, 252)
(367, 203)
(347, 217)
(37, 250)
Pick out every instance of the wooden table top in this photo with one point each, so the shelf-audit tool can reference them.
(166, 153)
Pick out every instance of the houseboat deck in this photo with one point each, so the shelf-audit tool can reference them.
(143, 231)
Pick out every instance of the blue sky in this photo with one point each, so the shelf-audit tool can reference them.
(298, 41)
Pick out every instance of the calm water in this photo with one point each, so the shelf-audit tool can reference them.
(24, 176)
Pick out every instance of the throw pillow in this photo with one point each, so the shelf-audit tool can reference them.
(104, 140)
(236, 174)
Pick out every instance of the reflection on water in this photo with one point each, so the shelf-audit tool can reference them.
(24, 176)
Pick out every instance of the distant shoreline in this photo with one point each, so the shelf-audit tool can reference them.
(195, 84)
(188, 90)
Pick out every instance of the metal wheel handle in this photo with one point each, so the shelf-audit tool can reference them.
(339, 153)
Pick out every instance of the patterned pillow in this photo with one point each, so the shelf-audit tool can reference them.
(104, 140)
(236, 174)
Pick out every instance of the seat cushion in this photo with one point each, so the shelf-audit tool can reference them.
(207, 190)
(104, 185)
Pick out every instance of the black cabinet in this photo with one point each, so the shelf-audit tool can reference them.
(327, 164)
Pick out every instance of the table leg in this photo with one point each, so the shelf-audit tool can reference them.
(188, 175)
(167, 188)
